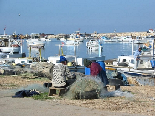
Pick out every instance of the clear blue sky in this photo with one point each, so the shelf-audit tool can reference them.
(67, 16)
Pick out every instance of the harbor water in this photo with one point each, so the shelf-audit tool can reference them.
(110, 50)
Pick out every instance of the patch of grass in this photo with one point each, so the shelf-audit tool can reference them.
(41, 79)
(42, 96)
(2, 76)
(12, 85)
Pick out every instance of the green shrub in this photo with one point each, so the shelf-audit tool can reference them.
(42, 96)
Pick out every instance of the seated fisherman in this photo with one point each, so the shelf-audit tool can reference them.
(61, 73)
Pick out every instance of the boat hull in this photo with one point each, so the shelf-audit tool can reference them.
(10, 49)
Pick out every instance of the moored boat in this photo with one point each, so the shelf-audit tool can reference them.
(125, 39)
(37, 44)
(106, 39)
(71, 42)
(10, 49)
(35, 41)
(93, 44)
(10, 46)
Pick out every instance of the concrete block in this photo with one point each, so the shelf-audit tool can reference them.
(56, 91)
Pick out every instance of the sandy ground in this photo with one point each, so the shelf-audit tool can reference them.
(141, 104)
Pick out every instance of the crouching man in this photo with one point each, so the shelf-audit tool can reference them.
(62, 77)
(96, 70)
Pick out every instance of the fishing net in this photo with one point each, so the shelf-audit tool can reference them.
(117, 93)
(87, 87)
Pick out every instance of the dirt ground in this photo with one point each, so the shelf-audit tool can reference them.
(142, 103)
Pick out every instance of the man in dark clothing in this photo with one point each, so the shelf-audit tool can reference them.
(96, 70)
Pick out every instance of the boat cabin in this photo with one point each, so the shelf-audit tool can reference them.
(5, 36)
(125, 61)
(128, 61)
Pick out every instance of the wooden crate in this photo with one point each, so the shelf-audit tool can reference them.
(56, 91)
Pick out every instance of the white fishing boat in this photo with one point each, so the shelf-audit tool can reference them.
(10, 46)
(89, 37)
(5, 36)
(71, 42)
(10, 49)
(34, 37)
(37, 44)
(9, 54)
(93, 44)
(140, 40)
(125, 39)
(62, 39)
(76, 37)
(45, 39)
(35, 41)
(145, 72)
(106, 39)
(145, 59)
(128, 61)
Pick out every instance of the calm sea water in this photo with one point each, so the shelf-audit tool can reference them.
(110, 49)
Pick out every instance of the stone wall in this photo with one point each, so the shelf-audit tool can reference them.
(126, 34)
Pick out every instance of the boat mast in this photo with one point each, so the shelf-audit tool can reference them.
(153, 48)
(132, 46)
(99, 48)
(21, 45)
(75, 53)
(4, 30)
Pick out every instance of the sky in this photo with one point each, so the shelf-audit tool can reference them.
(68, 16)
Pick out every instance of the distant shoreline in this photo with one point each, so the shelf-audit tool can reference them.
(141, 34)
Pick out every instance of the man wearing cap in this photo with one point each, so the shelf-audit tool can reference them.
(137, 57)
(96, 70)
(61, 73)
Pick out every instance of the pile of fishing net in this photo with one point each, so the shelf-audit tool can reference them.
(87, 87)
